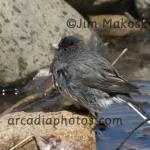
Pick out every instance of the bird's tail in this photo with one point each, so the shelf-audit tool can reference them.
(137, 108)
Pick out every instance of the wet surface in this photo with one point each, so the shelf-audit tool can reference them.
(116, 132)
(8, 100)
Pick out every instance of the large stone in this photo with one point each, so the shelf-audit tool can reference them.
(27, 30)
(62, 130)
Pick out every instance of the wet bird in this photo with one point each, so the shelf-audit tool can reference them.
(86, 78)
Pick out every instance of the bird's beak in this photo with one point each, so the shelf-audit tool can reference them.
(55, 45)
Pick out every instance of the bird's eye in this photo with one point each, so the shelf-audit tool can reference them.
(71, 43)
(65, 49)
(60, 45)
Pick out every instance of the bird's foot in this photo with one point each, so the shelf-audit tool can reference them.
(99, 128)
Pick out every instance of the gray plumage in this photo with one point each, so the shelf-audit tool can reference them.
(86, 78)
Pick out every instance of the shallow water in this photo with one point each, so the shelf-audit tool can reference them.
(115, 133)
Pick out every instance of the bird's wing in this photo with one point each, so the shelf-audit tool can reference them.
(110, 84)
(100, 74)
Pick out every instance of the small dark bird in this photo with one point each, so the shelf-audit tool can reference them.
(84, 77)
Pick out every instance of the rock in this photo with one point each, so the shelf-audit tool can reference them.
(98, 2)
(114, 25)
(27, 31)
(101, 6)
(143, 8)
(64, 130)
(41, 81)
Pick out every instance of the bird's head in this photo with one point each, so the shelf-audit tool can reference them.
(69, 45)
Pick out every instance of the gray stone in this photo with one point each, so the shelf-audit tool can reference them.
(63, 135)
(27, 30)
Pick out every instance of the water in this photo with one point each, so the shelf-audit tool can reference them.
(115, 133)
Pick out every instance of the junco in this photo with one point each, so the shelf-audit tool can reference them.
(85, 78)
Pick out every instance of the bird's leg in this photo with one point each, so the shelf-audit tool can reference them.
(98, 131)
(99, 126)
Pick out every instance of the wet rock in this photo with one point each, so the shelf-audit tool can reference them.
(27, 31)
(60, 130)
(101, 6)
(40, 82)
(143, 8)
